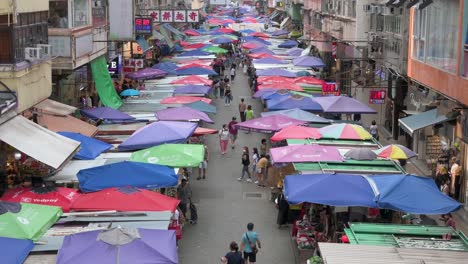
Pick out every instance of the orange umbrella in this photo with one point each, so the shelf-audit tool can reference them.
(184, 100)
(296, 132)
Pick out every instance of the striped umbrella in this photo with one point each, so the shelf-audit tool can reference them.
(345, 131)
(395, 151)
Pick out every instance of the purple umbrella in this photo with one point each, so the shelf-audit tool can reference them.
(280, 32)
(270, 61)
(105, 113)
(192, 89)
(146, 74)
(308, 61)
(221, 40)
(261, 50)
(294, 101)
(265, 91)
(305, 153)
(269, 124)
(343, 104)
(288, 44)
(276, 72)
(120, 245)
(159, 133)
(295, 51)
(195, 71)
(182, 113)
(194, 53)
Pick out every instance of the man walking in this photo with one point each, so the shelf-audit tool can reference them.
(233, 131)
(203, 165)
(250, 244)
(184, 194)
(242, 108)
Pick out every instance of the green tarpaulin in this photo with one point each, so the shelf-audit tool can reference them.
(104, 85)
(27, 221)
(172, 155)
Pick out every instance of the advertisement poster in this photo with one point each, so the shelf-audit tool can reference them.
(377, 97)
(121, 20)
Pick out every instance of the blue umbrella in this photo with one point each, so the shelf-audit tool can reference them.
(194, 53)
(261, 50)
(269, 61)
(127, 173)
(308, 61)
(252, 38)
(295, 51)
(289, 102)
(168, 67)
(15, 251)
(130, 92)
(288, 44)
(195, 71)
(192, 89)
(247, 31)
(298, 114)
(303, 73)
(280, 32)
(105, 113)
(90, 147)
(202, 106)
(221, 40)
(276, 72)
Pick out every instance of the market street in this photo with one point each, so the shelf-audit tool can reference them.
(225, 206)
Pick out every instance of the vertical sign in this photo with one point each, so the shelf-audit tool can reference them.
(121, 20)
(193, 16)
(180, 15)
(167, 16)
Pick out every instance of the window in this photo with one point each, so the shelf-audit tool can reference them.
(80, 13)
(438, 24)
(58, 14)
(352, 9)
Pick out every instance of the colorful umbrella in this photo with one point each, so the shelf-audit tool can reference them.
(146, 74)
(259, 35)
(158, 133)
(201, 131)
(202, 106)
(345, 131)
(250, 45)
(293, 101)
(308, 61)
(281, 86)
(262, 50)
(276, 72)
(269, 61)
(105, 113)
(130, 92)
(184, 100)
(193, 45)
(194, 53)
(395, 151)
(15, 251)
(125, 199)
(288, 44)
(195, 71)
(168, 67)
(361, 154)
(264, 92)
(269, 124)
(274, 79)
(214, 49)
(295, 51)
(193, 80)
(296, 132)
(280, 32)
(119, 245)
(226, 30)
(191, 32)
(309, 80)
(52, 196)
(305, 153)
(343, 104)
(172, 155)
(262, 55)
(194, 65)
(182, 113)
(90, 148)
(192, 89)
(26, 220)
(299, 114)
(222, 40)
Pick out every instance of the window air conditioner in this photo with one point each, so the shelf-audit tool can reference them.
(46, 50)
(366, 8)
(32, 54)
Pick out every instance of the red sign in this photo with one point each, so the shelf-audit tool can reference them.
(377, 97)
(334, 49)
(143, 26)
(331, 89)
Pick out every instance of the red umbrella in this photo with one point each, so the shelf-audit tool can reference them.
(296, 132)
(281, 86)
(259, 34)
(191, 32)
(201, 131)
(193, 79)
(125, 199)
(309, 80)
(226, 30)
(196, 65)
(61, 197)
(274, 79)
(249, 45)
(194, 46)
(262, 55)
(184, 100)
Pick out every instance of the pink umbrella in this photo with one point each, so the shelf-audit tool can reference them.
(269, 124)
(296, 132)
(305, 153)
(184, 100)
(193, 79)
(281, 86)
(192, 65)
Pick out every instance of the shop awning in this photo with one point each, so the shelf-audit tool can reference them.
(55, 107)
(57, 123)
(415, 122)
(37, 142)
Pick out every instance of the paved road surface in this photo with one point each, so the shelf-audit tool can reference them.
(225, 206)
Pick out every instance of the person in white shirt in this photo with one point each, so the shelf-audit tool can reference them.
(223, 139)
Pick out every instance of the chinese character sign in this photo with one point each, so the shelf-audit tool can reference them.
(330, 88)
(155, 15)
(143, 26)
(193, 16)
(167, 16)
(180, 16)
(377, 97)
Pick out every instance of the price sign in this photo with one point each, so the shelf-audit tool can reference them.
(377, 97)
(143, 26)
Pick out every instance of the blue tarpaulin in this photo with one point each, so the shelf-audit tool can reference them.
(298, 114)
(288, 44)
(192, 89)
(195, 71)
(90, 147)
(289, 102)
(127, 173)
(194, 53)
(14, 251)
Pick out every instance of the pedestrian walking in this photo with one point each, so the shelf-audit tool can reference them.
(242, 108)
(245, 161)
(222, 86)
(233, 256)
(262, 166)
(233, 131)
(283, 209)
(233, 72)
(184, 194)
(255, 158)
(227, 95)
(250, 244)
(374, 130)
(216, 85)
(223, 139)
(249, 114)
(203, 165)
(263, 147)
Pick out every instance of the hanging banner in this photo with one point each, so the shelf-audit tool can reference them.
(377, 97)
(104, 84)
(177, 16)
(331, 88)
(121, 20)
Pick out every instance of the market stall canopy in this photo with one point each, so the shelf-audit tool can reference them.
(194, 64)
(274, 79)
(288, 44)
(280, 32)
(256, 40)
(395, 151)
(26, 220)
(37, 142)
(146, 74)
(201, 131)
(105, 113)
(193, 45)
(345, 131)
(168, 67)
(90, 147)
(184, 100)
(293, 101)
(269, 61)
(262, 50)
(418, 121)
(194, 53)
(309, 80)
(192, 32)
(195, 71)
(127, 173)
(276, 72)
(264, 92)
(222, 40)
(226, 30)
(295, 51)
(298, 114)
(119, 245)
(343, 104)
(202, 106)
(58, 123)
(269, 124)
(296, 132)
(158, 133)
(361, 154)
(308, 61)
(193, 80)
(130, 92)
(281, 86)
(125, 199)
(55, 107)
(15, 251)
(172, 155)
(182, 113)
(249, 45)
(259, 35)
(305, 153)
(192, 89)
(52, 196)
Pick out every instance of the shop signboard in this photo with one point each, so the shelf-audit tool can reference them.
(167, 16)
(131, 65)
(377, 96)
(114, 65)
(331, 88)
(143, 26)
(177, 16)
(121, 20)
(99, 16)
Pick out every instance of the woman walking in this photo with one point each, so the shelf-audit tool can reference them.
(233, 256)
(245, 161)
(249, 114)
(283, 209)
(227, 95)
(255, 158)
(223, 139)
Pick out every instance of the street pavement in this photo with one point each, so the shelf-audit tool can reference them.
(225, 205)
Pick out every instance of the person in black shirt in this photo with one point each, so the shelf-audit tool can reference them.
(234, 256)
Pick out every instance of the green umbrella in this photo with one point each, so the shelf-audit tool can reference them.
(172, 155)
(214, 49)
(25, 220)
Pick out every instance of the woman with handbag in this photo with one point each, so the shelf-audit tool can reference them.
(250, 244)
